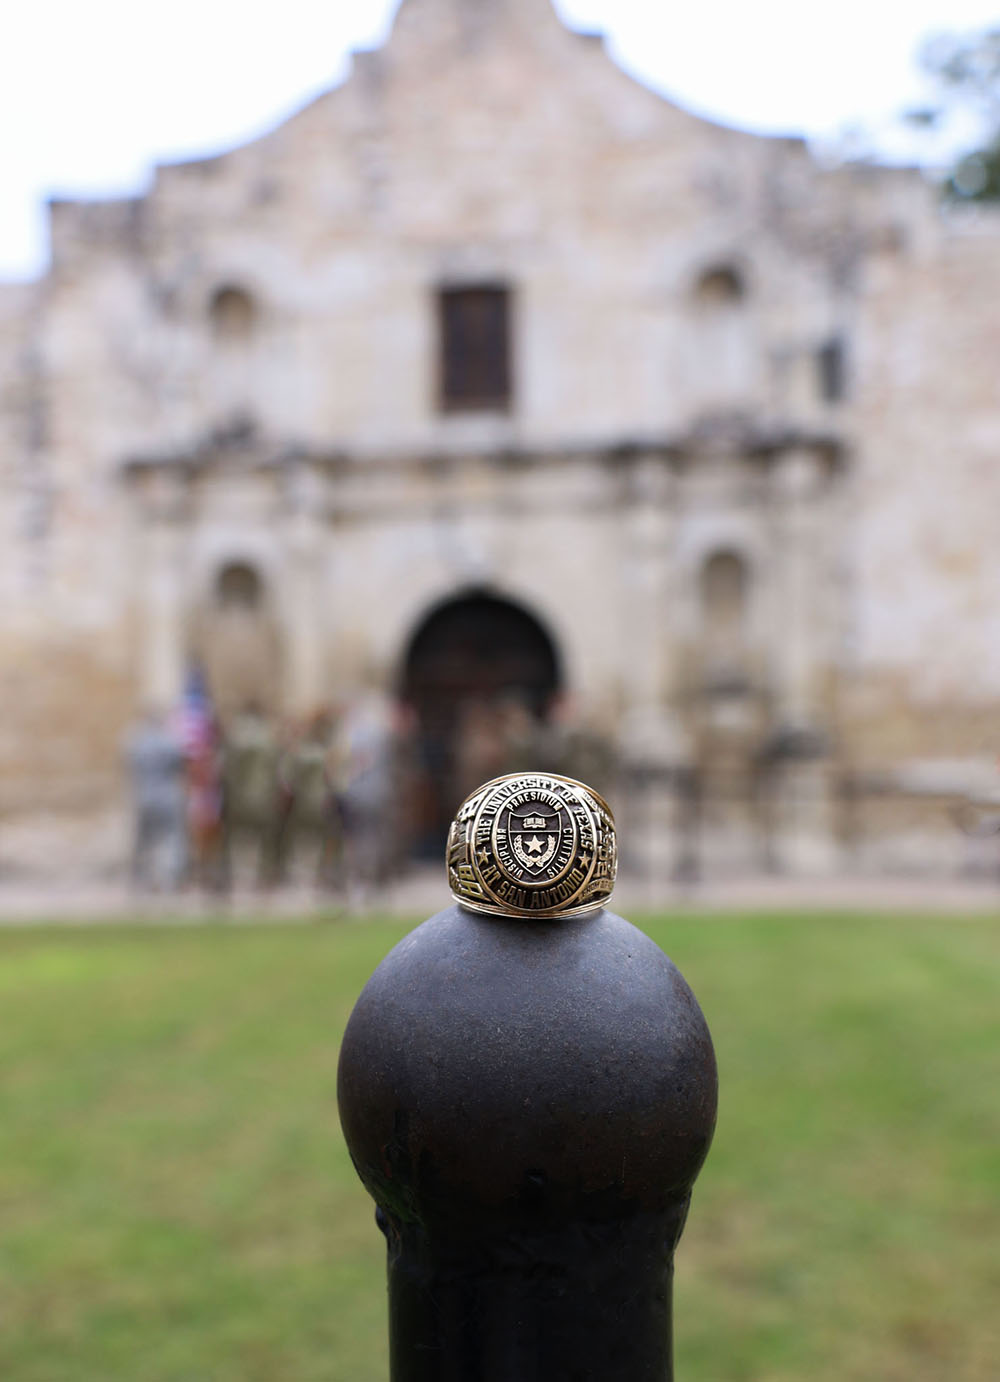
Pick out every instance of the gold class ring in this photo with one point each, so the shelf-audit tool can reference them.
(532, 845)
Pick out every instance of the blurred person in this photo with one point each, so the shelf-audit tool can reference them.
(282, 804)
(406, 808)
(250, 793)
(571, 746)
(198, 729)
(156, 767)
(521, 736)
(366, 779)
(431, 768)
(479, 747)
(303, 795)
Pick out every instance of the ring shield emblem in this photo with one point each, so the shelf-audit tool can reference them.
(532, 844)
(532, 839)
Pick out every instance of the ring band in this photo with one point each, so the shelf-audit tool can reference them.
(532, 845)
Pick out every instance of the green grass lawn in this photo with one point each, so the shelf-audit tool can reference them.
(176, 1203)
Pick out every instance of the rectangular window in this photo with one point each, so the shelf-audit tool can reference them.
(475, 367)
(831, 366)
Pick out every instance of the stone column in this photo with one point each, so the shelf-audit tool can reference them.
(801, 779)
(653, 745)
(305, 687)
(165, 511)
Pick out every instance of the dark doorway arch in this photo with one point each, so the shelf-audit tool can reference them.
(232, 313)
(239, 586)
(479, 671)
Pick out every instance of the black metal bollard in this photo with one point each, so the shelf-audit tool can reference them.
(528, 1098)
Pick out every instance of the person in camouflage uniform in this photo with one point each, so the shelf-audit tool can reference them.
(250, 796)
(304, 798)
(366, 780)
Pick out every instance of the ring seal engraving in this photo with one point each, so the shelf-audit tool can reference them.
(532, 845)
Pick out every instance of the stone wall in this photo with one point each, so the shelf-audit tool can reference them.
(718, 347)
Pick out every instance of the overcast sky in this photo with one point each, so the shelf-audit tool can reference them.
(93, 92)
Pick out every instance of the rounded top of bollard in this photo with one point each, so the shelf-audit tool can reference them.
(546, 1071)
(532, 845)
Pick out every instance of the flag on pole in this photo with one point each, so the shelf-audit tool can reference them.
(195, 726)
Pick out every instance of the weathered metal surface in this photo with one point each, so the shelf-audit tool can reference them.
(528, 1101)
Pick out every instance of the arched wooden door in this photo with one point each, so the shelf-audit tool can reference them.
(480, 675)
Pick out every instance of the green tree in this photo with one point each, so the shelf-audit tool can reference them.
(964, 72)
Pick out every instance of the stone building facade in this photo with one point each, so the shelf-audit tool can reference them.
(492, 370)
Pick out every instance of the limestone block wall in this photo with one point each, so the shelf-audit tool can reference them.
(925, 625)
(523, 157)
(717, 345)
